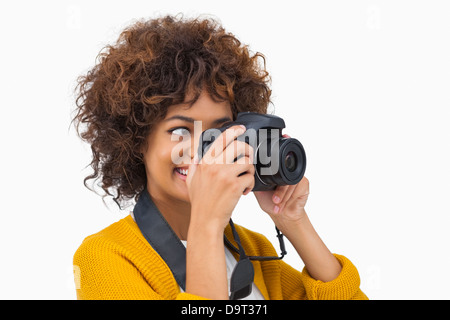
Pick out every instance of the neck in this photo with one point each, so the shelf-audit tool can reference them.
(177, 214)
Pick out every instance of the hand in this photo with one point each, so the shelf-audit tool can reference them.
(286, 204)
(216, 183)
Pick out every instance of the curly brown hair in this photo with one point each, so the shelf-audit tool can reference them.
(155, 64)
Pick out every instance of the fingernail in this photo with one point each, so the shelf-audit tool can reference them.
(276, 199)
(276, 209)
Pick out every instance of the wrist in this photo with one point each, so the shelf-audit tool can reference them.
(293, 226)
(210, 233)
(206, 273)
(318, 259)
(205, 220)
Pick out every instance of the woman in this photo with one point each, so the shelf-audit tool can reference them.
(141, 102)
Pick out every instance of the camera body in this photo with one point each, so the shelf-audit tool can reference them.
(278, 161)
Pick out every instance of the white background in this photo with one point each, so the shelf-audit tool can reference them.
(364, 85)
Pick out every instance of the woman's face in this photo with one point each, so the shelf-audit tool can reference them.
(173, 143)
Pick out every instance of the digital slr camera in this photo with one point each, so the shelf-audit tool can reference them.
(278, 160)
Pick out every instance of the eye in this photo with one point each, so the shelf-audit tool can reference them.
(180, 131)
(225, 123)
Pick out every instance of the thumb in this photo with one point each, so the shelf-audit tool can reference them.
(192, 168)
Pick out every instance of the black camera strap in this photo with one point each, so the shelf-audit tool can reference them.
(161, 237)
(166, 243)
(243, 274)
(280, 237)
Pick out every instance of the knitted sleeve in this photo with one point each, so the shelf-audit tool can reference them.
(283, 282)
(298, 285)
(105, 273)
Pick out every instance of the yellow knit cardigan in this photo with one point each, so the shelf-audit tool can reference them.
(119, 263)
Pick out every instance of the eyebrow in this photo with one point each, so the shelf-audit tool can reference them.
(191, 120)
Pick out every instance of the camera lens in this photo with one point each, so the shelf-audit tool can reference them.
(290, 161)
(286, 166)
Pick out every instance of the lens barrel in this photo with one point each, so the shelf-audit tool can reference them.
(292, 160)
(287, 164)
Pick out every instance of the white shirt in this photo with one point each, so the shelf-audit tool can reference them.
(231, 263)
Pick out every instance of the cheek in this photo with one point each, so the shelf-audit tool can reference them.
(163, 157)
(160, 158)
(179, 152)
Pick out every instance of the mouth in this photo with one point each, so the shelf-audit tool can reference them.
(182, 172)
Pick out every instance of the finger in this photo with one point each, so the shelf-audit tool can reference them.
(195, 159)
(240, 169)
(248, 181)
(191, 171)
(222, 141)
(278, 208)
(303, 185)
(279, 193)
(286, 136)
(301, 190)
(238, 151)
